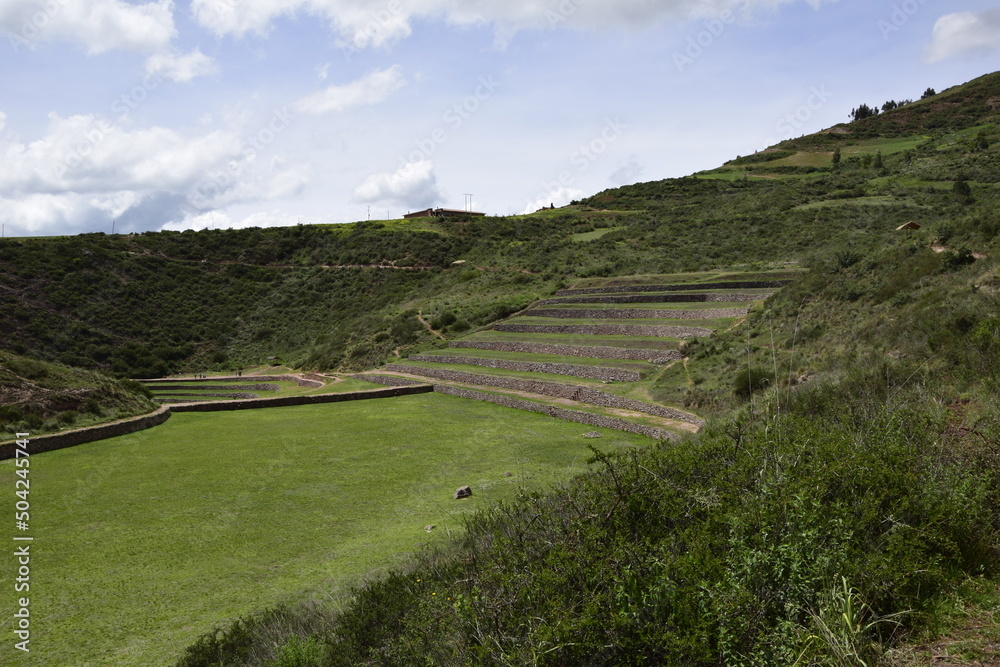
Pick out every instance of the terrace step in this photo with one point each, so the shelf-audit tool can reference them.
(658, 298)
(606, 329)
(553, 368)
(588, 351)
(581, 394)
(637, 313)
(738, 284)
(662, 428)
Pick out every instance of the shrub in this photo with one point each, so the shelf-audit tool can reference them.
(752, 379)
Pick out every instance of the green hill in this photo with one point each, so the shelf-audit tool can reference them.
(841, 500)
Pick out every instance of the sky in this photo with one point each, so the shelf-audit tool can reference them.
(139, 115)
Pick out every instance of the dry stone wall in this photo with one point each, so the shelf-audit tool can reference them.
(589, 372)
(285, 401)
(656, 298)
(388, 380)
(606, 329)
(48, 443)
(637, 313)
(590, 352)
(301, 381)
(228, 388)
(618, 289)
(554, 389)
(560, 413)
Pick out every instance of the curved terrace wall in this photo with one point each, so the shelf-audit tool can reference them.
(388, 380)
(637, 313)
(555, 389)
(589, 372)
(48, 443)
(606, 329)
(286, 401)
(743, 284)
(590, 352)
(301, 381)
(560, 413)
(657, 298)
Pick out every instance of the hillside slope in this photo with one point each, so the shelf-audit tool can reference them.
(846, 483)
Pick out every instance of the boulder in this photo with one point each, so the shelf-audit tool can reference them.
(462, 492)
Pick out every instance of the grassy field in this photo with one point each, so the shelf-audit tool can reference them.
(144, 542)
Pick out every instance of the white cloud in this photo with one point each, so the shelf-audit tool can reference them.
(3, 120)
(86, 169)
(370, 89)
(376, 23)
(413, 185)
(628, 171)
(99, 25)
(181, 68)
(557, 198)
(224, 220)
(964, 33)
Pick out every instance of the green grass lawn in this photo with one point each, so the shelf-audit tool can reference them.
(145, 541)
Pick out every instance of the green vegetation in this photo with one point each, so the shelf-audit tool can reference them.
(840, 502)
(149, 539)
(38, 397)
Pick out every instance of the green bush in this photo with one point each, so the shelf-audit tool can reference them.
(751, 380)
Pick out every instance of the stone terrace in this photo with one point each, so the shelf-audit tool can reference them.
(590, 355)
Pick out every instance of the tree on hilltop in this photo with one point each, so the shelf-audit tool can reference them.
(863, 111)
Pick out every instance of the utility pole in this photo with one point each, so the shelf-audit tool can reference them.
(369, 213)
(113, 227)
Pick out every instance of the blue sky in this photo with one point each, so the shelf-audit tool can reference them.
(236, 113)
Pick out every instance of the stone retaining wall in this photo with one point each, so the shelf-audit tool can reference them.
(560, 413)
(227, 388)
(589, 372)
(637, 313)
(302, 382)
(388, 380)
(554, 389)
(48, 443)
(199, 394)
(596, 352)
(286, 401)
(657, 298)
(606, 329)
(619, 289)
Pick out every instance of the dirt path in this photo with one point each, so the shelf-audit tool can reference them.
(420, 316)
